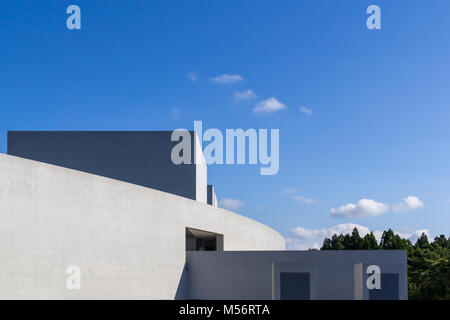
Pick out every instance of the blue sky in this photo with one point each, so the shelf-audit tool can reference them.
(379, 127)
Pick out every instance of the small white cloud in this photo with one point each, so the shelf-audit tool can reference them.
(305, 110)
(192, 76)
(289, 191)
(304, 239)
(416, 234)
(270, 105)
(303, 199)
(244, 95)
(231, 204)
(364, 207)
(176, 113)
(228, 78)
(296, 197)
(409, 203)
(258, 208)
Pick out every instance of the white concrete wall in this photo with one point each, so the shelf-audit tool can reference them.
(201, 172)
(215, 203)
(128, 240)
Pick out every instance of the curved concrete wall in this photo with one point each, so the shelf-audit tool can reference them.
(129, 241)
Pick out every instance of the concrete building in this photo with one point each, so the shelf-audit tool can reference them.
(140, 227)
(141, 158)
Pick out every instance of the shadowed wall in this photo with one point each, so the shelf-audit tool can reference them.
(138, 157)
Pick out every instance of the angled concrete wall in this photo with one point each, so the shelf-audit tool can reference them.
(128, 240)
(138, 157)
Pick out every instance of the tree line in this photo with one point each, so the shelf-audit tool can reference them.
(428, 262)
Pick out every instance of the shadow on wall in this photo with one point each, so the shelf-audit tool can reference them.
(183, 285)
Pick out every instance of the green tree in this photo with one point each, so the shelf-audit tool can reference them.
(422, 242)
(370, 242)
(336, 243)
(387, 240)
(326, 244)
(347, 242)
(356, 242)
(441, 241)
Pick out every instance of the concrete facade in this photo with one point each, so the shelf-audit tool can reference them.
(139, 157)
(138, 226)
(128, 240)
(256, 275)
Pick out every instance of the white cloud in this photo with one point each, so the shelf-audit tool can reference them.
(176, 113)
(416, 234)
(303, 199)
(258, 208)
(269, 106)
(231, 204)
(409, 203)
(296, 197)
(303, 239)
(343, 228)
(192, 76)
(244, 95)
(228, 78)
(364, 207)
(305, 110)
(289, 191)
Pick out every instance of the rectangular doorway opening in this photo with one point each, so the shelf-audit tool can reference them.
(200, 240)
(295, 286)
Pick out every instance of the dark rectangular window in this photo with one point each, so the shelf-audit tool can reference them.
(389, 288)
(294, 286)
